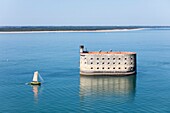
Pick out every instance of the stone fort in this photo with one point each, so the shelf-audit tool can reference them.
(107, 63)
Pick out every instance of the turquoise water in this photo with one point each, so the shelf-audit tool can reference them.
(56, 57)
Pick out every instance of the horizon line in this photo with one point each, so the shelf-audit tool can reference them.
(84, 25)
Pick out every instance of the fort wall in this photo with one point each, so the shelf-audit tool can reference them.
(107, 63)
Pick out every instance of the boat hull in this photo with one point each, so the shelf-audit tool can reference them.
(35, 83)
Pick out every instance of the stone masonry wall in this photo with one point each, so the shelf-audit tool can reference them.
(107, 63)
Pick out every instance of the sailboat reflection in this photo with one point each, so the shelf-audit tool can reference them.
(35, 89)
(107, 86)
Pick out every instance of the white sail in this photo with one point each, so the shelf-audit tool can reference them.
(35, 77)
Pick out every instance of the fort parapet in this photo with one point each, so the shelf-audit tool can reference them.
(107, 63)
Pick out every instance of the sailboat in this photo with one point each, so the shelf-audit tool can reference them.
(35, 79)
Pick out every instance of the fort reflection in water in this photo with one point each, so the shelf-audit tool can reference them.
(96, 86)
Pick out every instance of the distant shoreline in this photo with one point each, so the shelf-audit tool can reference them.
(68, 29)
(71, 31)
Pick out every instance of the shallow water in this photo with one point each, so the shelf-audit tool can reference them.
(56, 57)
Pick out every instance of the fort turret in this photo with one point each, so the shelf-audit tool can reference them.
(81, 48)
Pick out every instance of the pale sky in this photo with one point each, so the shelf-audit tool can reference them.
(84, 12)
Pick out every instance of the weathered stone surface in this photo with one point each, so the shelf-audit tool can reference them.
(107, 63)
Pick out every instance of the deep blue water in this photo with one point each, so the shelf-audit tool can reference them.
(56, 57)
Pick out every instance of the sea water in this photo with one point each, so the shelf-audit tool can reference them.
(56, 57)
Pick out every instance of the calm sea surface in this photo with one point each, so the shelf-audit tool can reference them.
(56, 57)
